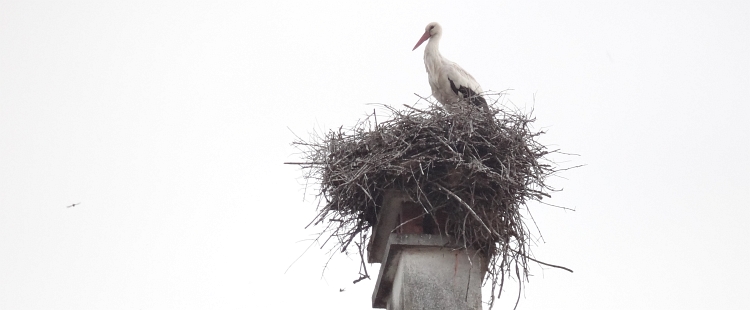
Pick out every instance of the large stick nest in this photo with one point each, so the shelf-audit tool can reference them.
(478, 168)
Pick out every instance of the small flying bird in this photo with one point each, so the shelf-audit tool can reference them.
(73, 205)
(450, 83)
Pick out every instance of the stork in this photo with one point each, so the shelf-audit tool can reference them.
(450, 83)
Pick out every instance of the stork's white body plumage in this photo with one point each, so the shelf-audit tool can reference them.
(451, 85)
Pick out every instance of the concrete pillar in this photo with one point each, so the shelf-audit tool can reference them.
(422, 271)
(421, 268)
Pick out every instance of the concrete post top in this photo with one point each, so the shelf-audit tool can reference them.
(397, 243)
(400, 215)
(387, 222)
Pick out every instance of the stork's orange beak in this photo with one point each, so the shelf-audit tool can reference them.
(424, 37)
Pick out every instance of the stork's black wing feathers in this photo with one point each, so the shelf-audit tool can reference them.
(473, 97)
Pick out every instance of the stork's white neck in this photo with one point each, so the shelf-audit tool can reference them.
(432, 48)
(433, 60)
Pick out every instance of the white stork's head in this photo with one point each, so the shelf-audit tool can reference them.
(432, 30)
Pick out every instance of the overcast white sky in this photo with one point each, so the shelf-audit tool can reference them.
(167, 122)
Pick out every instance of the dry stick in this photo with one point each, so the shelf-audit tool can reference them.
(502, 272)
(468, 208)
(519, 287)
(535, 225)
(493, 232)
(362, 263)
(548, 265)
(303, 253)
(303, 163)
(556, 206)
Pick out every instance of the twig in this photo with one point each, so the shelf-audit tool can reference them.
(304, 163)
(469, 209)
(547, 264)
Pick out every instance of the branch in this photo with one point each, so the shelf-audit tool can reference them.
(470, 210)
(304, 163)
(546, 264)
